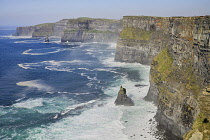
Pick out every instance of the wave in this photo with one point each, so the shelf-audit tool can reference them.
(24, 66)
(56, 50)
(88, 77)
(38, 84)
(54, 65)
(77, 106)
(29, 104)
(28, 41)
(100, 121)
(16, 37)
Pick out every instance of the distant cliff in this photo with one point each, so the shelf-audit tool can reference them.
(76, 30)
(180, 69)
(91, 30)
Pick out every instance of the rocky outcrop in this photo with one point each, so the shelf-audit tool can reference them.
(141, 39)
(123, 99)
(76, 30)
(46, 39)
(180, 70)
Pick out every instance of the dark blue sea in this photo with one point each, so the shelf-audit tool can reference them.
(66, 91)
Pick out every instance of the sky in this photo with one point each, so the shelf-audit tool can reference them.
(32, 12)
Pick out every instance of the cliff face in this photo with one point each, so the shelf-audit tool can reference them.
(141, 39)
(179, 75)
(91, 30)
(35, 31)
(76, 30)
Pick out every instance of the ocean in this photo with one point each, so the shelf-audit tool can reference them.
(66, 91)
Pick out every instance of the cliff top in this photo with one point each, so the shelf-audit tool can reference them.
(176, 17)
(85, 19)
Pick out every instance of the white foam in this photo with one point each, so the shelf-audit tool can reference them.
(17, 37)
(30, 103)
(55, 65)
(24, 66)
(38, 84)
(56, 116)
(97, 123)
(77, 106)
(28, 52)
(88, 77)
(107, 70)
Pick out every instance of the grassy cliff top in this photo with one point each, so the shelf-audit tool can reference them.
(45, 24)
(85, 19)
(142, 17)
(135, 33)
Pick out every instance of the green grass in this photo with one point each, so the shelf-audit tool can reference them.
(86, 19)
(45, 24)
(198, 125)
(163, 64)
(135, 34)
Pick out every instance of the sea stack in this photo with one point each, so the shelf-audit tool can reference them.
(46, 39)
(123, 99)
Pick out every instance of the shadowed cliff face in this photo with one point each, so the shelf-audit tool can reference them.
(180, 70)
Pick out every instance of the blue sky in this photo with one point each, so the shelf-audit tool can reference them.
(31, 12)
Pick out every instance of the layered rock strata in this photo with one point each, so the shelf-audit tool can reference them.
(180, 71)
(141, 39)
(91, 30)
(76, 30)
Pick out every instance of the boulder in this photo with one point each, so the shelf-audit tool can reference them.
(123, 99)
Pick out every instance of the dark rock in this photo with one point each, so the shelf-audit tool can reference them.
(46, 39)
(123, 99)
(205, 120)
(139, 85)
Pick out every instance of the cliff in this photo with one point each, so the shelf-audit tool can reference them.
(180, 71)
(40, 30)
(76, 30)
(91, 30)
(141, 39)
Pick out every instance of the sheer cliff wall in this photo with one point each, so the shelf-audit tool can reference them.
(141, 39)
(180, 71)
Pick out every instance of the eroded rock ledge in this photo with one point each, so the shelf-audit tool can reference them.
(178, 50)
